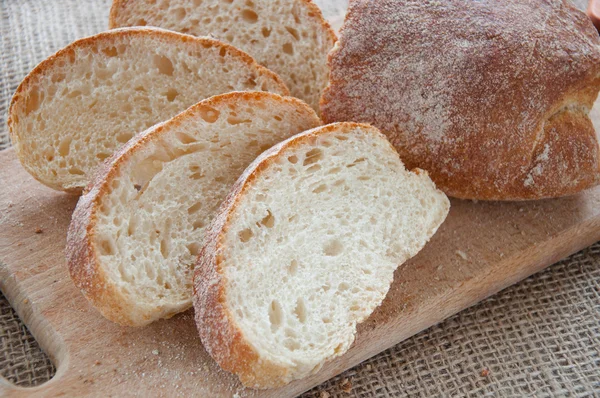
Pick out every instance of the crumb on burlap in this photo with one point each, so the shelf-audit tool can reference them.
(485, 372)
(346, 385)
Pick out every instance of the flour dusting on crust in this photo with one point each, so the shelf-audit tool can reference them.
(469, 90)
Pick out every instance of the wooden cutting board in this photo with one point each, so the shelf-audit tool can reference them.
(481, 248)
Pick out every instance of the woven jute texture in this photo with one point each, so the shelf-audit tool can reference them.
(538, 338)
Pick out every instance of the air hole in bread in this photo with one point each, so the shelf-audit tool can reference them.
(74, 94)
(76, 171)
(164, 64)
(341, 137)
(249, 16)
(293, 32)
(357, 161)
(185, 139)
(194, 208)
(198, 224)
(293, 268)
(179, 12)
(326, 320)
(275, 315)
(102, 156)
(295, 15)
(141, 22)
(245, 235)
(33, 101)
(333, 248)
(171, 94)
(65, 146)
(251, 82)
(208, 114)
(320, 188)
(269, 220)
(266, 32)
(300, 310)
(314, 168)
(110, 51)
(58, 77)
(107, 248)
(278, 118)
(222, 52)
(291, 344)
(193, 248)
(164, 248)
(233, 120)
(293, 159)
(124, 137)
(288, 48)
(133, 221)
(312, 156)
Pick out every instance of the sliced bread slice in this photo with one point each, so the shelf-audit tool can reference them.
(305, 247)
(81, 104)
(290, 37)
(134, 236)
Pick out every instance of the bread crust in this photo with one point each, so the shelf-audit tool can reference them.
(497, 110)
(68, 53)
(82, 260)
(219, 333)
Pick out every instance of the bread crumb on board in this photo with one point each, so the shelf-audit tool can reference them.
(324, 394)
(39, 231)
(485, 372)
(462, 254)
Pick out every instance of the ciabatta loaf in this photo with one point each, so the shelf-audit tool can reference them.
(81, 104)
(305, 247)
(492, 98)
(134, 237)
(290, 37)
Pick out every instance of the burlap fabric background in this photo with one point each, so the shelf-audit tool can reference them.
(538, 338)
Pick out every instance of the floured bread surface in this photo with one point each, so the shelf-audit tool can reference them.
(81, 104)
(135, 235)
(305, 247)
(490, 97)
(289, 37)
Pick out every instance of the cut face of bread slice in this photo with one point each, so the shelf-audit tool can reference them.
(81, 104)
(134, 236)
(305, 247)
(289, 37)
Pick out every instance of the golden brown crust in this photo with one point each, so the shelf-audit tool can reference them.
(477, 111)
(68, 53)
(83, 264)
(219, 333)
